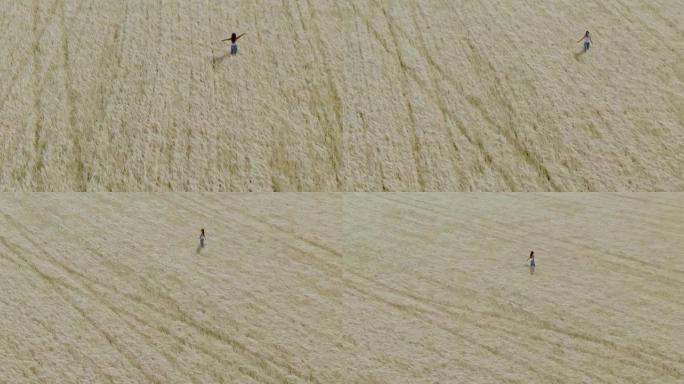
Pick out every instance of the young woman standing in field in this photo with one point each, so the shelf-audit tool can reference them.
(587, 41)
(233, 43)
(531, 260)
(202, 237)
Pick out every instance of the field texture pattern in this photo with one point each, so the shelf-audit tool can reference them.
(328, 95)
(391, 288)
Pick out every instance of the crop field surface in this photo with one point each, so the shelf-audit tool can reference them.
(353, 95)
(341, 288)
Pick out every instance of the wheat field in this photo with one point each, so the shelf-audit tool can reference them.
(341, 288)
(353, 95)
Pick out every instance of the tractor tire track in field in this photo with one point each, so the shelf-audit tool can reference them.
(39, 141)
(332, 124)
(421, 167)
(38, 33)
(42, 71)
(74, 127)
(111, 65)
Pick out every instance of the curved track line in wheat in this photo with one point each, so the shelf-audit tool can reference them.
(165, 310)
(277, 364)
(567, 244)
(88, 283)
(557, 241)
(652, 360)
(217, 236)
(59, 287)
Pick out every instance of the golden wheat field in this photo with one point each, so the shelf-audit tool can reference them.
(353, 95)
(341, 288)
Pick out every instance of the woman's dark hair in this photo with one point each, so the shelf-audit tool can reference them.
(531, 253)
(234, 36)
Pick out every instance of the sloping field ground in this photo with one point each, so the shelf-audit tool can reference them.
(392, 288)
(341, 95)
(103, 288)
(437, 289)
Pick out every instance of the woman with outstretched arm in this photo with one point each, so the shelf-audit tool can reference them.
(233, 43)
(587, 41)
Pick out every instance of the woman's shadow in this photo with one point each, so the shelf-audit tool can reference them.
(218, 59)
